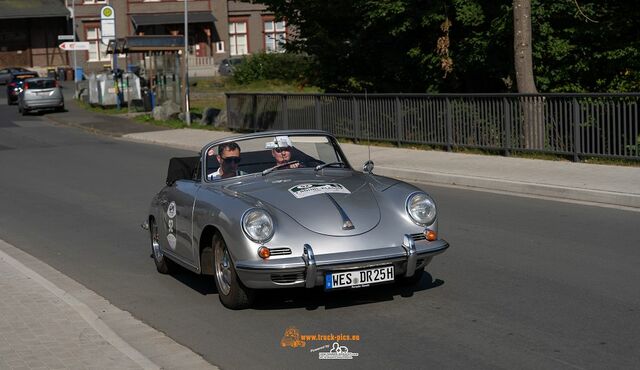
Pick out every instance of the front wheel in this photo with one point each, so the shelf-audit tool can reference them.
(233, 294)
(163, 264)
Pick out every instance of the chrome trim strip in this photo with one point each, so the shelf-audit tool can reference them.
(412, 256)
(311, 268)
(346, 221)
(330, 261)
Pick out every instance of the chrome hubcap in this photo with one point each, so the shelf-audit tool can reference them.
(223, 270)
(155, 244)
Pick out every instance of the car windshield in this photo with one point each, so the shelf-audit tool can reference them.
(303, 152)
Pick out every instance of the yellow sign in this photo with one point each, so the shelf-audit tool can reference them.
(107, 11)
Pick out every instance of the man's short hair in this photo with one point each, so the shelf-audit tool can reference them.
(232, 145)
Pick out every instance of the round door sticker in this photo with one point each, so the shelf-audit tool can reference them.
(171, 210)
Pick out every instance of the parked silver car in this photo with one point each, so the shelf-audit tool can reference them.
(309, 221)
(39, 94)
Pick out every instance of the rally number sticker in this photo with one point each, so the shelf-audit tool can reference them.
(307, 190)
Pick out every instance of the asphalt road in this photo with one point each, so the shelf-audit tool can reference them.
(527, 283)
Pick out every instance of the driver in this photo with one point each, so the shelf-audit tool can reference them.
(229, 158)
(282, 152)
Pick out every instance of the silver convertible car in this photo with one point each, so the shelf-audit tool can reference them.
(286, 209)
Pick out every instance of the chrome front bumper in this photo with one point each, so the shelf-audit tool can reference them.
(309, 270)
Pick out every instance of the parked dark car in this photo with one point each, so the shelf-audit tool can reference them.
(229, 65)
(40, 94)
(14, 88)
(7, 74)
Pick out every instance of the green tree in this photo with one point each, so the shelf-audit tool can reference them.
(464, 45)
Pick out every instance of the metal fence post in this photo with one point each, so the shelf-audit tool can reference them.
(399, 128)
(285, 112)
(254, 112)
(507, 127)
(449, 127)
(576, 131)
(356, 118)
(228, 99)
(316, 101)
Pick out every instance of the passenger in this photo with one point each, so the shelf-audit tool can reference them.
(228, 158)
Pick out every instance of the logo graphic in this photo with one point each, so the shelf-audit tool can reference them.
(337, 352)
(291, 338)
(307, 190)
(171, 233)
(171, 210)
(107, 11)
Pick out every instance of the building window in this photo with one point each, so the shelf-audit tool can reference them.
(220, 47)
(93, 1)
(275, 36)
(97, 50)
(238, 40)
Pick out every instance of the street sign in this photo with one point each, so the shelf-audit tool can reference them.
(65, 37)
(69, 45)
(107, 24)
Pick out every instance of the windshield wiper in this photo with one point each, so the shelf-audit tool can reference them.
(321, 166)
(269, 170)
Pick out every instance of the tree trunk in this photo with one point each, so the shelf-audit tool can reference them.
(533, 125)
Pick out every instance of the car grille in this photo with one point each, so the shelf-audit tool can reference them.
(418, 237)
(287, 278)
(280, 251)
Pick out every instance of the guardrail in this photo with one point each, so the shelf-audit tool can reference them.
(577, 125)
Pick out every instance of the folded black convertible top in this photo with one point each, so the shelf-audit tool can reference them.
(183, 168)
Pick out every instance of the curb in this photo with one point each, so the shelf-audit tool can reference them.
(598, 197)
(131, 337)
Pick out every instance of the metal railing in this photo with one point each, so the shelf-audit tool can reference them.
(600, 125)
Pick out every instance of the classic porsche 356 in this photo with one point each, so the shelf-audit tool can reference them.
(259, 223)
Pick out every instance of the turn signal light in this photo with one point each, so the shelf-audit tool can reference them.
(25, 86)
(430, 235)
(264, 252)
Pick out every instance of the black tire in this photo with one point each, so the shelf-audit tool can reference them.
(9, 101)
(232, 293)
(163, 264)
(414, 279)
(25, 112)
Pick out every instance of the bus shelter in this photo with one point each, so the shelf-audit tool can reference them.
(157, 61)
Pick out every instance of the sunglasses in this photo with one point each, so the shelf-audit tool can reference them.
(229, 160)
(280, 150)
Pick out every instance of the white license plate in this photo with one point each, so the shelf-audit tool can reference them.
(358, 278)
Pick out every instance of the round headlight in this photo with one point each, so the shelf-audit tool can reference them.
(421, 208)
(258, 225)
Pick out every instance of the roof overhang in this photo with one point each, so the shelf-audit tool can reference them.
(33, 9)
(170, 18)
(143, 44)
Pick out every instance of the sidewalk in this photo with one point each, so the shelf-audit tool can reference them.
(599, 184)
(48, 321)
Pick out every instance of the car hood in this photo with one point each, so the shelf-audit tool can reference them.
(337, 203)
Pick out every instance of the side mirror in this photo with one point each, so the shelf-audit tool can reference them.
(368, 167)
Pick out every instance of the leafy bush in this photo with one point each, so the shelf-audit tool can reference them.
(286, 67)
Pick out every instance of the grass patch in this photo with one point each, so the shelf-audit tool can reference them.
(104, 110)
(227, 84)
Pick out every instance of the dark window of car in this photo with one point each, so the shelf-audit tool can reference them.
(42, 84)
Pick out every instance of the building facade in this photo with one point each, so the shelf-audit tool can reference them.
(218, 29)
(28, 33)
